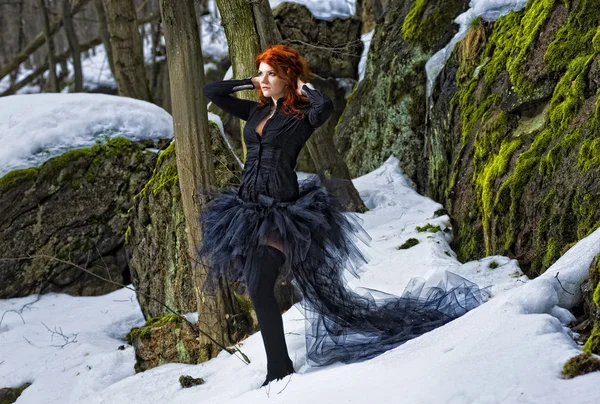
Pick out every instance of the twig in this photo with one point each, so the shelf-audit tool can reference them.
(29, 342)
(67, 339)
(14, 311)
(556, 276)
(288, 382)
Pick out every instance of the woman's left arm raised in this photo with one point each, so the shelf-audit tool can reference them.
(321, 105)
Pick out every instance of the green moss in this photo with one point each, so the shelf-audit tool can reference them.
(418, 23)
(244, 302)
(589, 155)
(592, 345)
(536, 14)
(581, 365)
(429, 228)
(127, 234)
(550, 161)
(16, 177)
(489, 165)
(596, 41)
(493, 265)
(412, 23)
(552, 253)
(162, 177)
(411, 242)
(575, 36)
(151, 323)
(569, 94)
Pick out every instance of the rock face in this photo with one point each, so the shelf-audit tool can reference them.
(9, 396)
(514, 136)
(332, 48)
(386, 111)
(591, 295)
(73, 208)
(156, 238)
(165, 340)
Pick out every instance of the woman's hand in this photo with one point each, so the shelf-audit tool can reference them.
(256, 82)
(299, 84)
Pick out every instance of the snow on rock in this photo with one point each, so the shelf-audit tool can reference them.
(489, 10)
(37, 127)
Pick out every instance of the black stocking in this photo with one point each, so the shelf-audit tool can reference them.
(268, 262)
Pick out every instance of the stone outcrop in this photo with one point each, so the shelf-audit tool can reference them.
(10, 395)
(332, 48)
(156, 238)
(386, 111)
(72, 209)
(514, 140)
(168, 339)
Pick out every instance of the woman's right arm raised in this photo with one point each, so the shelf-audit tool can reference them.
(219, 93)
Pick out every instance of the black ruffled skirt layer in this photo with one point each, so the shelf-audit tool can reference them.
(320, 242)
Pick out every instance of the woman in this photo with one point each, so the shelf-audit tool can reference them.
(251, 230)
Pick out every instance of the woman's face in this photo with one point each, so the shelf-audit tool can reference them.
(270, 84)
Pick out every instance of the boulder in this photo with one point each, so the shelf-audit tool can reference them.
(386, 111)
(72, 210)
(156, 237)
(514, 134)
(332, 48)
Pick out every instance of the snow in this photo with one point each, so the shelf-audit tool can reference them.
(509, 350)
(362, 64)
(489, 10)
(37, 127)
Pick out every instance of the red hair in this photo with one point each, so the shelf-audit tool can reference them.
(290, 66)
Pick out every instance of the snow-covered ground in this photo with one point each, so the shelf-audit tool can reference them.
(37, 127)
(509, 350)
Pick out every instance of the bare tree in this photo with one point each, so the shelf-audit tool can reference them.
(52, 81)
(38, 41)
(103, 32)
(128, 56)
(193, 146)
(266, 28)
(73, 45)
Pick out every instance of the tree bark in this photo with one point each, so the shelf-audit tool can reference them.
(52, 81)
(238, 21)
(38, 41)
(73, 46)
(104, 35)
(193, 146)
(267, 30)
(130, 73)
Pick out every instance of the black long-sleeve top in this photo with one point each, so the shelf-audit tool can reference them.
(270, 158)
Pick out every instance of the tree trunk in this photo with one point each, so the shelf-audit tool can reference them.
(130, 73)
(193, 146)
(38, 41)
(73, 45)
(238, 21)
(267, 30)
(52, 81)
(103, 31)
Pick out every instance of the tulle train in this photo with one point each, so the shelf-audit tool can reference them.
(320, 242)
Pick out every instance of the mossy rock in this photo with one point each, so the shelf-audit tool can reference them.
(167, 339)
(73, 207)
(10, 395)
(581, 365)
(385, 114)
(514, 147)
(411, 242)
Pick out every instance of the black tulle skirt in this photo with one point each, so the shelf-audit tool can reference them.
(321, 242)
